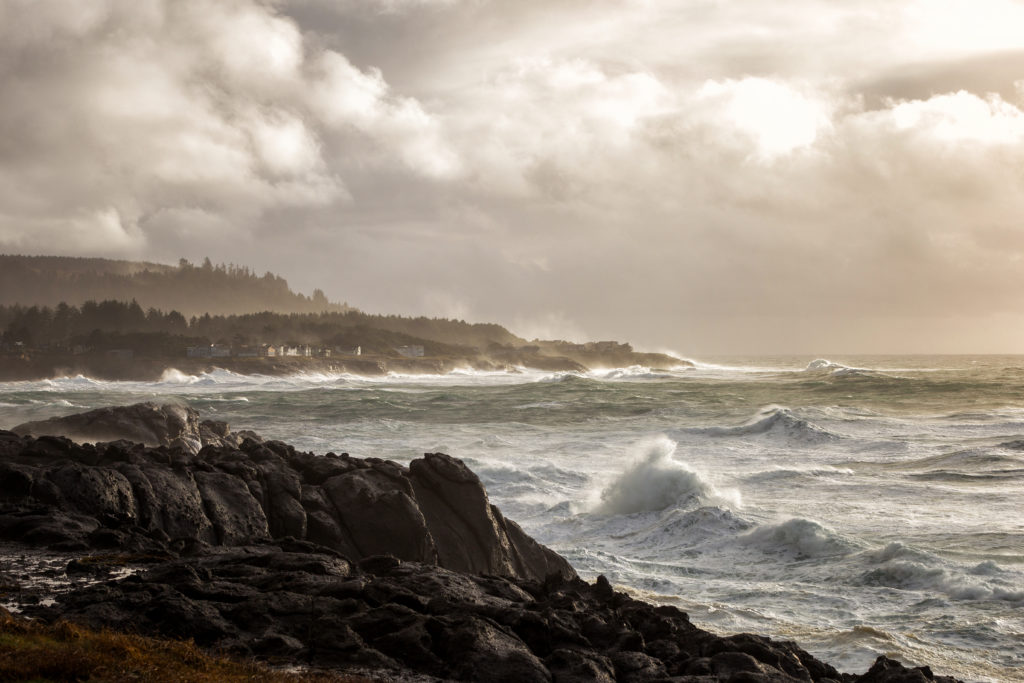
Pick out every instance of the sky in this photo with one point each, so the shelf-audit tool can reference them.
(709, 176)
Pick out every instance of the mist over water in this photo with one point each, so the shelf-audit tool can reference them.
(860, 506)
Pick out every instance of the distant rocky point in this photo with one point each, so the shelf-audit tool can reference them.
(330, 562)
(125, 320)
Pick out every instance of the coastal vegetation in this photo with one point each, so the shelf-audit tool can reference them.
(62, 651)
(117, 339)
(191, 289)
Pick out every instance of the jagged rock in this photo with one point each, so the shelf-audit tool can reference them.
(145, 423)
(236, 516)
(435, 511)
(454, 503)
(395, 526)
(886, 670)
(385, 618)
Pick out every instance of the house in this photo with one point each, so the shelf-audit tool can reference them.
(411, 351)
(211, 351)
(198, 352)
(607, 347)
(220, 351)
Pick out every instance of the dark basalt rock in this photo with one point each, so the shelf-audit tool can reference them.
(240, 491)
(289, 601)
(144, 423)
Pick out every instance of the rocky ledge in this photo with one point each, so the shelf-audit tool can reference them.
(347, 564)
(238, 489)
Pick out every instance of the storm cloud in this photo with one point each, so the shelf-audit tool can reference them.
(710, 177)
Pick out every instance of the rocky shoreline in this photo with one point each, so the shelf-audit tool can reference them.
(141, 368)
(330, 562)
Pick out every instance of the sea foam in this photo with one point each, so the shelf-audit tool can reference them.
(799, 538)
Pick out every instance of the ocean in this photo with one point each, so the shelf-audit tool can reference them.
(857, 505)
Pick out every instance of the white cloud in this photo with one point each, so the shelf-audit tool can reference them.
(195, 104)
(777, 117)
(345, 96)
(962, 117)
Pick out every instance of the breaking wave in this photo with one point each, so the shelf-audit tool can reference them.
(906, 568)
(785, 473)
(775, 420)
(915, 576)
(674, 532)
(656, 482)
(632, 372)
(823, 364)
(799, 538)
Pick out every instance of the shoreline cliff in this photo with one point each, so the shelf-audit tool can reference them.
(360, 566)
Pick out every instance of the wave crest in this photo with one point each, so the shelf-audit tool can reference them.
(908, 575)
(656, 482)
(824, 364)
(631, 372)
(774, 419)
(906, 568)
(801, 538)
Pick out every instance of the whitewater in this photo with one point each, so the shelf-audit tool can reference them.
(859, 506)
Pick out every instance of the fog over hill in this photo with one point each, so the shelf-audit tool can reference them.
(220, 289)
(132, 320)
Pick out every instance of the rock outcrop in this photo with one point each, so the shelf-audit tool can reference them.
(146, 423)
(292, 602)
(125, 495)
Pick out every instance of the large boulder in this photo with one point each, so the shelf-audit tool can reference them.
(471, 535)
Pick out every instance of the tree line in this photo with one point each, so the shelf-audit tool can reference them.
(191, 289)
(111, 323)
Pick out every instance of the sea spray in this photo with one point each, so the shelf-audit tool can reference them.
(176, 376)
(654, 482)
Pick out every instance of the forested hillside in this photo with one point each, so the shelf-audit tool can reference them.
(104, 324)
(186, 288)
(55, 311)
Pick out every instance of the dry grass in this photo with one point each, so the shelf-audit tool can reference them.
(30, 651)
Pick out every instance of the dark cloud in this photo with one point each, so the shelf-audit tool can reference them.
(999, 72)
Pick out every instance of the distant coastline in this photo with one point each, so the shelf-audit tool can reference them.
(49, 364)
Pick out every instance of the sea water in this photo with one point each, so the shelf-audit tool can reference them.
(859, 506)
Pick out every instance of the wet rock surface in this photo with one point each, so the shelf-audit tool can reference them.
(145, 423)
(290, 601)
(65, 496)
